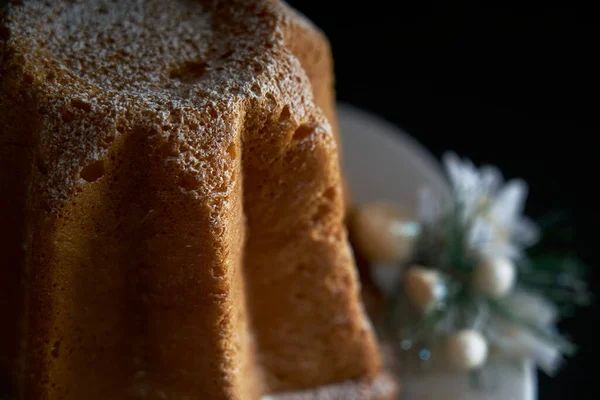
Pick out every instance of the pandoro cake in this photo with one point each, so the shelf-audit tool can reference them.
(171, 206)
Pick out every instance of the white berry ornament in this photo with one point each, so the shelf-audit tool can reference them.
(424, 287)
(495, 277)
(466, 350)
(383, 232)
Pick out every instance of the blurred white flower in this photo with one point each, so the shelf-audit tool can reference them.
(489, 210)
(517, 341)
(472, 188)
(532, 307)
(501, 230)
(480, 232)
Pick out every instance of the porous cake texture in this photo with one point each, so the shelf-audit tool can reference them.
(171, 212)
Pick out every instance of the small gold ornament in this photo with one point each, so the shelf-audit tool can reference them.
(495, 277)
(424, 287)
(466, 350)
(383, 233)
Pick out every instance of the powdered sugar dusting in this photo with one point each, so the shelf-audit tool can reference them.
(184, 69)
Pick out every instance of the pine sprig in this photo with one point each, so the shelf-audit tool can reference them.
(475, 246)
(557, 278)
(562, 279)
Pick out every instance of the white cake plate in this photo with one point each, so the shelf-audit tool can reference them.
(381, 162)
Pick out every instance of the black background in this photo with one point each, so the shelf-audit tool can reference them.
(515, 86)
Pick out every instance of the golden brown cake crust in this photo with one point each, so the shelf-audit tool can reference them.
(176, 229)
